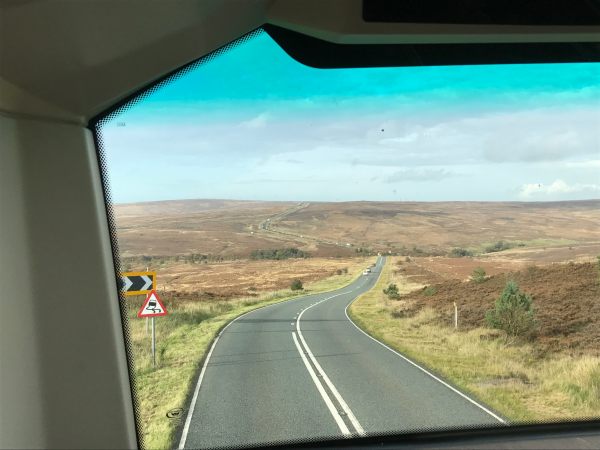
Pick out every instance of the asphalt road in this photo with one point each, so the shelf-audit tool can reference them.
(302, 370)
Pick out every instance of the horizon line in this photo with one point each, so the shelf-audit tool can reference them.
(349, 201)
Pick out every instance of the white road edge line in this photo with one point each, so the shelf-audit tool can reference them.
(336, 416)
(501, 420)
(355, 423)
(188, 419)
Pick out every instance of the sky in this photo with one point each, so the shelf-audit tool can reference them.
(254, 124)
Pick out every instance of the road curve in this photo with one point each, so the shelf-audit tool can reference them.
(302, 370)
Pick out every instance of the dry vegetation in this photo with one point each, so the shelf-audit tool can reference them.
(201, 250)
(183, 338)
(434, 269)
(439, 226)
(232, 229)
(218, 228)
(566, 299)
(554, 376)
(244, 277)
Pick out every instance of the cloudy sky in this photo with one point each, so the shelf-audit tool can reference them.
(254, 124)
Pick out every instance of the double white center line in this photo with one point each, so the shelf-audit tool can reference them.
(339, 409)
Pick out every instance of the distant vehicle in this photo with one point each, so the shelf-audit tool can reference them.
(366, 271)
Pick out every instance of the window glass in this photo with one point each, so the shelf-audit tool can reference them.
(313, 254)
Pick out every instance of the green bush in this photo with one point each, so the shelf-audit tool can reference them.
(429, 291)
(498, 247)
(296, 285)
(392, 291)
(460, 252)
(513, 313)
(478, 275)
(279, 253)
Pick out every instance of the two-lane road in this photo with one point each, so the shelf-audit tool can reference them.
(301, 369)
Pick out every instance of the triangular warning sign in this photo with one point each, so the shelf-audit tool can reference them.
(152, 306)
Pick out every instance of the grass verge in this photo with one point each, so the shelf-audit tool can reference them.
(483, 248)
(182, 339)
(515, 380)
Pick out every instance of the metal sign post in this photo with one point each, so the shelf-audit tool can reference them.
(153, 343)
(153, 287)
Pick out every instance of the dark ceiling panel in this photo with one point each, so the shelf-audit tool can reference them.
(484, 12)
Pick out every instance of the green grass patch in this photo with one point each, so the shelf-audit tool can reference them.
(547, 242)
(510, 378)
(429, 291)
(182, 339)
(503, 245)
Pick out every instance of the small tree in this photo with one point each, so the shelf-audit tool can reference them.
(478, 275)
(296, 285)
(392, 292)
(499, 246)
(513, 312)
(429, 291)
(460, 252)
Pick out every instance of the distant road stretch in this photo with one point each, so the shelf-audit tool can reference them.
(301, 370)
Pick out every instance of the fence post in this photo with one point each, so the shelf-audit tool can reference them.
(455, 316)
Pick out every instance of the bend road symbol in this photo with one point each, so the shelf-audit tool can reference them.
(137, 283)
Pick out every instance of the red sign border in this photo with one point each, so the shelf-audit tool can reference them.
(164, 313)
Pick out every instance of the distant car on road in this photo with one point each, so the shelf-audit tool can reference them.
(366, 271)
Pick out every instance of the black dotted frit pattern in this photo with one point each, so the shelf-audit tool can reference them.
(96, 125)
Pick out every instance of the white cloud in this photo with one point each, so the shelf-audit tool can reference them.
(545, 134)
(259, 121)
(498, 150)
(557, 189)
